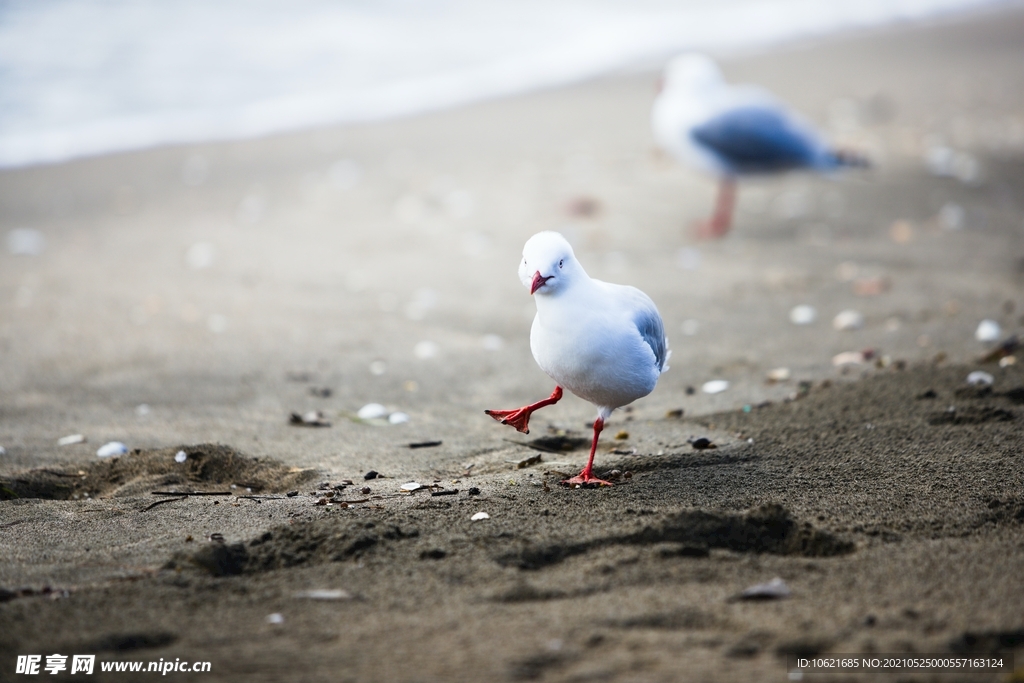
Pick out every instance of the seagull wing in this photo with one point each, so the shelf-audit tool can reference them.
(758, 138)
(650, 326)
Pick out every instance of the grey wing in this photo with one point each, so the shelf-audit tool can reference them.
(652, 330)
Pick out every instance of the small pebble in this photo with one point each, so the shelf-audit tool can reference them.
(803, 315)
(180, 456)
(372, 474)
(715, 386)
(979, 378)
(778, 375)
(848, 320)
(71, 439)
(473, 491)
(292, 494)
(1004, 362)
(988, 331)
(142, 409)
(479, 516)
(366, 490)
(372, 411)
(398, 418)
(275, 618)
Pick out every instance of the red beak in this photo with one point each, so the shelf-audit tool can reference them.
(538, 281)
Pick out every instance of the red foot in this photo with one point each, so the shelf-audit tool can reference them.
(718, 225)
(710, 229)
(586, 479)
(520, 418)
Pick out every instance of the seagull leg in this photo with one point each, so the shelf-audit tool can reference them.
(520, 418)
(586, 477)
(720, 221)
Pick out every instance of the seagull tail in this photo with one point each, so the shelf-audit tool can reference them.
(849, 159)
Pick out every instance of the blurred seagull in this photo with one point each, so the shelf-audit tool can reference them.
(603, 342)
(729, 131)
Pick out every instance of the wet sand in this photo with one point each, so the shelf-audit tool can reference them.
(886, 495)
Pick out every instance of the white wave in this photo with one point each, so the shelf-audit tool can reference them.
(86, 77)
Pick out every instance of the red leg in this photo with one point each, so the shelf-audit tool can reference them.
(719, 223)
(520, 418)
(586, 477)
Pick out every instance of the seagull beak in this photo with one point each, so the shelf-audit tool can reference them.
(538, 281)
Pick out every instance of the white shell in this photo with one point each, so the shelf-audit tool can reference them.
(425, 349)
(979, 378)
(715, 386)
(398, 418)
(412, 486)
(776, 588)
(70, 439)
(180, 456)
(848, 320)
(492, 342)
(479, 516)
(988, 331)
(803, 315)
(325, 594)
(372, 411)
(848, 358)
(109, 450)
(25, 242)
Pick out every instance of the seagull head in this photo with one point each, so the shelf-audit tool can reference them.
(691, 72)
(548, 264)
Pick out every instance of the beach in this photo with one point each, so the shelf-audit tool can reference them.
(190, 299)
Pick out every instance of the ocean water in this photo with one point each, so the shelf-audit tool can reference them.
(87, 77)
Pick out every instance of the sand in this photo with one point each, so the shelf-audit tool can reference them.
(887, 495)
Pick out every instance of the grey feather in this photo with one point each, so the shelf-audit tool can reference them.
(652, 330)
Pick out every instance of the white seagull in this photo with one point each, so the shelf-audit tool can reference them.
(603, 342)
(729, 131)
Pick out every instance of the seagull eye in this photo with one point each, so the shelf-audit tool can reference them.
(561, 262)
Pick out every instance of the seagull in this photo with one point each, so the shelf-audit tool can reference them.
(733, 130)
(603, 342)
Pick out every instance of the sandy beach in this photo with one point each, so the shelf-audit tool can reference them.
(191, 299)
